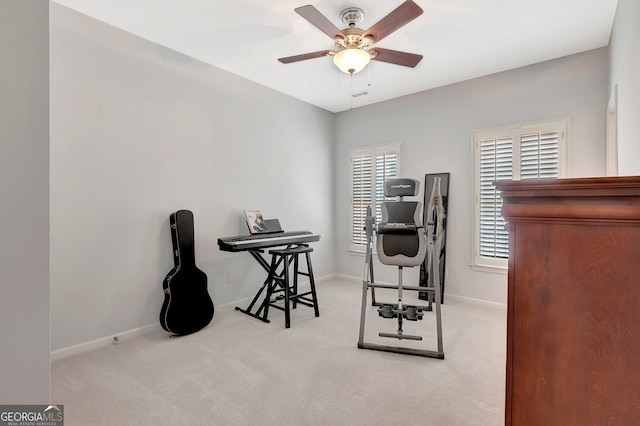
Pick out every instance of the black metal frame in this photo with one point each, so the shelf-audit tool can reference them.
(277, 285)
(273, 277)
(282, 289)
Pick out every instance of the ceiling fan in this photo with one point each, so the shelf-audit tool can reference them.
(353, 45)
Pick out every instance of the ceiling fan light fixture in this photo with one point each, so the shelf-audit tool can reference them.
(351, 61)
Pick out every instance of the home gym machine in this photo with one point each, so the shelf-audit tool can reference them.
(401, 241)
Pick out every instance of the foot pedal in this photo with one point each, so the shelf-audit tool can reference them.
(387, 311)
(400, 336)
(412, 313)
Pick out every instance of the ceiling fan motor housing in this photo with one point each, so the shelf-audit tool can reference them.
(351, 16)
(353, 35)
(353, 39)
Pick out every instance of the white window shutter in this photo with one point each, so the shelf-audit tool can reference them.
(525, 151)
(386, 168)
(496, 163)
(370, 168)
(539, 155)
(361, 196)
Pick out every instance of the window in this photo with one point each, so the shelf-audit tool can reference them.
(526, 151)
(370, 168)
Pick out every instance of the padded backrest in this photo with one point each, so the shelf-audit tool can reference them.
(401, 187)
(401, 238)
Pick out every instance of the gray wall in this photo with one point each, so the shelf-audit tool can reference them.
(436, 127)
(24, 202)
(625, 69)
(139, 131)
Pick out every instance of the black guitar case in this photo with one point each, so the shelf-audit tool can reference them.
(187, 305)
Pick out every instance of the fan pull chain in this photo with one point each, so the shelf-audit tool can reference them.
(351, 90)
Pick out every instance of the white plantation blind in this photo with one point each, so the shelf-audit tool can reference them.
(528, 151)
(539, 155)
(496, 163)
(386, 168)
(362, 196)
(370, 168)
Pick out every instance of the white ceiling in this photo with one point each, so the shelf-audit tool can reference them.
(459, 39)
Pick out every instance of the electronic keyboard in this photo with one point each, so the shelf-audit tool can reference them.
(260, 241)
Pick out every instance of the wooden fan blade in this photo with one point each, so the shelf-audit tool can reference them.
(319, 21)
(394, 57)
(402, 15)
(304, 56)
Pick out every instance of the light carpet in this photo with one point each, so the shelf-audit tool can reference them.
(240, 371)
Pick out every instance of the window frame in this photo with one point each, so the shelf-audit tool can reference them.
(373, 151)
(515, 131)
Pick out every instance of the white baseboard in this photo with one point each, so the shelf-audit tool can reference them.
(126, 335)
(151, 328)
(482, 302)
(325, 278)
(102, 342)
(347, 278)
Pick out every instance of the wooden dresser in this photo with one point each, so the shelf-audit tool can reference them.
(573, 327)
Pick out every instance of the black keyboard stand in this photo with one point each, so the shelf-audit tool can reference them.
(256, 245)
(261, 310)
